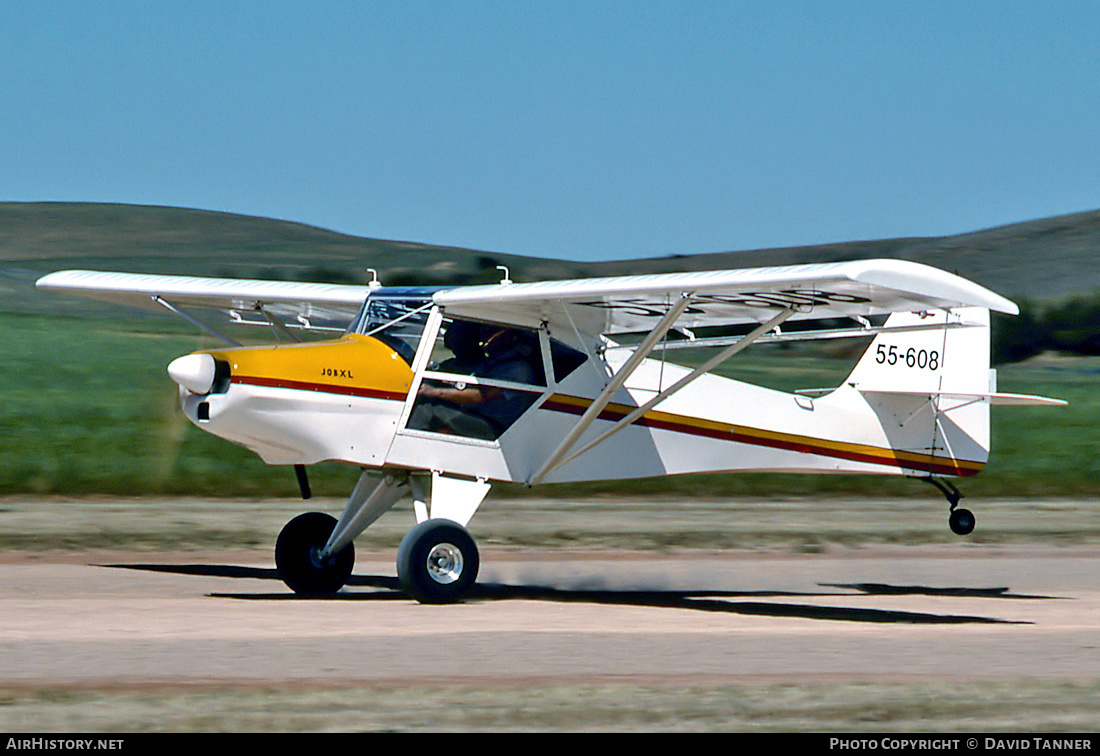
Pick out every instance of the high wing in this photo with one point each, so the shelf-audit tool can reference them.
(627, 304)
(302, 305)
(592, 306)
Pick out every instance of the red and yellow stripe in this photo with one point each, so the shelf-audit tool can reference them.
(939, 465)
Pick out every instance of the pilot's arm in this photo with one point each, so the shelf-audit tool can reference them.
(463, 397)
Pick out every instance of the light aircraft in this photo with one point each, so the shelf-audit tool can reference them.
(435, 393)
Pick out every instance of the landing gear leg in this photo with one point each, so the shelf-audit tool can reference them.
(961, 520)
(314, 554)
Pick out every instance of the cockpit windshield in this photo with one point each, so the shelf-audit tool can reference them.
(396, 317)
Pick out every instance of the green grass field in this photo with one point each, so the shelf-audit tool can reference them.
(89, 409)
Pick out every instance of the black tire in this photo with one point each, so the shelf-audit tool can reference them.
(961, 521)
(437, 562)
(296, 556)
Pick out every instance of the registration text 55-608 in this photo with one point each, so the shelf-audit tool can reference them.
(892, 354)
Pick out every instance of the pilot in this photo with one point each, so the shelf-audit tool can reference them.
(478, 411)
(464, 340)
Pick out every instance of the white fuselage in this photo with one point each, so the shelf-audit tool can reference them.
(714, 424)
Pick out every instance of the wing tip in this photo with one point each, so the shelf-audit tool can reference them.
(54, 280)
(901, 273)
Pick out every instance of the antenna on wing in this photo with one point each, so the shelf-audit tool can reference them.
(506, 279)
(374, 282)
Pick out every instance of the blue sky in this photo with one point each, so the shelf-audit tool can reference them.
(582, 130)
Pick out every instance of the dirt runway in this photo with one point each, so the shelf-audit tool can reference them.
(873, 614)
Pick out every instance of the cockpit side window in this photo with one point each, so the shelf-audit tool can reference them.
(481, 379)
(491, 351)
(564, 359)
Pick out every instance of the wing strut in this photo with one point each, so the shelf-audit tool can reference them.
(275, 322)
(648, 343)
(706, 367)
(194, 321)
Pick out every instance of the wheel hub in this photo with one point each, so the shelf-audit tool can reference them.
(445, 563)
(315, 559)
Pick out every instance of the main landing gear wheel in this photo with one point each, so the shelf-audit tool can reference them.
(297, 560)
(437, 562)
(961, 521)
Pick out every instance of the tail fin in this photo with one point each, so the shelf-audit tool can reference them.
(944, 352)
(928, 380)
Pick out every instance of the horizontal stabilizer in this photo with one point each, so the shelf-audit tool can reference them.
(1024, 400)
(997, 399)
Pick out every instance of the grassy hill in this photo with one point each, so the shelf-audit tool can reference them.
(1039, 259)
(41, 236)
(1044, 259)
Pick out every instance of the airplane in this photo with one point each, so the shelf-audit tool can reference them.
(438, 392)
